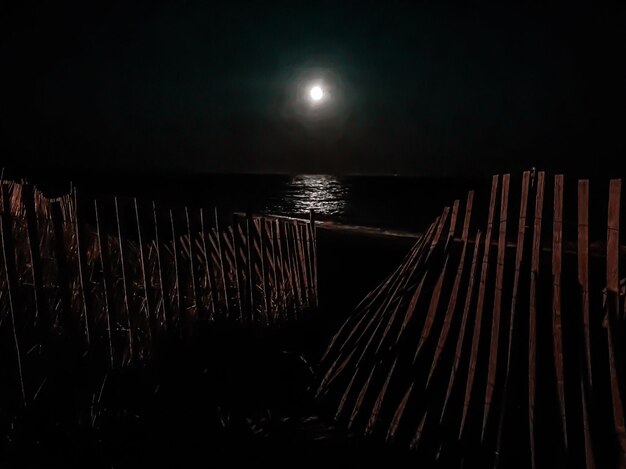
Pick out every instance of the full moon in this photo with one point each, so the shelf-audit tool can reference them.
(316, 93)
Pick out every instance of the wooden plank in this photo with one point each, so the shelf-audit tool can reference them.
(62, 266)
(159, 265)
(442, 221)
(418, 433)
(80, 260)
(221, 257)
(281, 266)
(207, 264)
(249, 265)
(463, 328)
(299, 267)
(532, 328)
(406, 274)
(275, 305)
(363, 307)
(28, 194)
(289, 288)
(176, 270)
(589, 458)
(9, 265)
(557, 334)
(293, 273)
(453, 218)
(313, 245)
(397, 416)
(235, 269)
(359, 400)
(144, 278)
(371, 423)
(303, 263)
(422, 258)
(264, 280)
(497, 303)
(436, 295)
(443, 336)
(344, 397)
(124, 284)
(583, 267)
(372, 295)
(432, 310)
(308, 257)
(519, 253)
(192, 268)
(104, 284)
(480, 303)
(612, 314)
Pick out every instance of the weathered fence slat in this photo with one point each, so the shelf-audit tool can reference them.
(463, 328)
(7, 255)
(120, 240)
(583, 267)
(612, 311)
(105, 288)
(519, 254)
(557, 334)
(479, 303)
(443, 336)
(497, 303)
(532, 333)
(159, 266)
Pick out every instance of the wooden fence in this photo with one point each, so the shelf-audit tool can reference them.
(499, 341)
(112, 276)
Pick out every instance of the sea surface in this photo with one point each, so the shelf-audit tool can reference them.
(392, 202)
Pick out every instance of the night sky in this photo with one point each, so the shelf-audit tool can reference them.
(419, 88)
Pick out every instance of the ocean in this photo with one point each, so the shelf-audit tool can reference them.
(391, 202)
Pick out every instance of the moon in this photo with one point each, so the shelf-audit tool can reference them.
(316, 93)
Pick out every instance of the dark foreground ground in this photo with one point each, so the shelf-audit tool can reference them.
(232, 395)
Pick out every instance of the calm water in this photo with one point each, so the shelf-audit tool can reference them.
(383, 201)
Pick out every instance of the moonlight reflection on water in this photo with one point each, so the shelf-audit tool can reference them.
(325, 195)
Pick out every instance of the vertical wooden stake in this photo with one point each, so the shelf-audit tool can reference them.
(219, 248)
(583, 266)
(159, 264)
(497, 304)
(194, 287)
(532, 333)
(8, 263)
(612, 313)
(176, 273)
(207, 263)
(124, 284)
(480, 303)
(557, 335)
(104, 284)
(144, 277)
